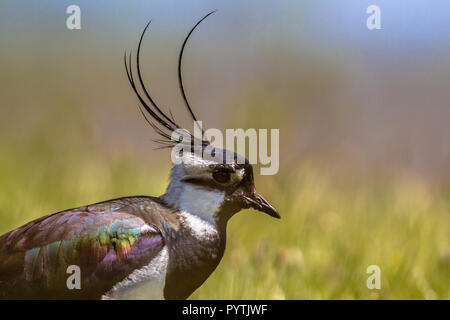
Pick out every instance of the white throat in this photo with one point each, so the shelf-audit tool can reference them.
(200, 202)
(198, 206)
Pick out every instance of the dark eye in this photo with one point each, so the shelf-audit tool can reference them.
(221, 176)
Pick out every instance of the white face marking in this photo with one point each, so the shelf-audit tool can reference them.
(145, 283)
(192, 161)
(199, 201)
(239, 175)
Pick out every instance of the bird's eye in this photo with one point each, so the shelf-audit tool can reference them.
(221, 176)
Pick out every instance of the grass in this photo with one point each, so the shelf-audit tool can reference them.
(332, 228)
(329, 235)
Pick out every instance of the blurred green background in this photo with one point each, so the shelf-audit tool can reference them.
(363, 116)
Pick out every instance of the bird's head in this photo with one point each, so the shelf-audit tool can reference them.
(213, 189)
(200, 183)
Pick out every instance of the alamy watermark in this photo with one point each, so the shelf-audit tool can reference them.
(73, 21)
(373, 22)
(235, 140)
(74, 280)
(374, 280)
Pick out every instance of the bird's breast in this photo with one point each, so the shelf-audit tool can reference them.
(194, 255)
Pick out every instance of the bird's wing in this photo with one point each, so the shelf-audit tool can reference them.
(107, 241)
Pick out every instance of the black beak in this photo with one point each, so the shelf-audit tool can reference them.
(257, 201)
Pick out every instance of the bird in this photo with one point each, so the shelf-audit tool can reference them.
(137, 247)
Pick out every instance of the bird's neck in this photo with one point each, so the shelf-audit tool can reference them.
(197, 203)
(200, 240)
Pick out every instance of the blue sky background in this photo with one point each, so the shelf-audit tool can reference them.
(414, 24)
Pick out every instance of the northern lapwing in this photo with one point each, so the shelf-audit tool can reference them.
(138, 247)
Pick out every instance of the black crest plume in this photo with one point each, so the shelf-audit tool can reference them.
(162, 123)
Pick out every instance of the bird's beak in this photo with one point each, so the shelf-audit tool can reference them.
(257, 201)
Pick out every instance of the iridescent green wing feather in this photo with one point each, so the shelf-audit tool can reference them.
(107, 241)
